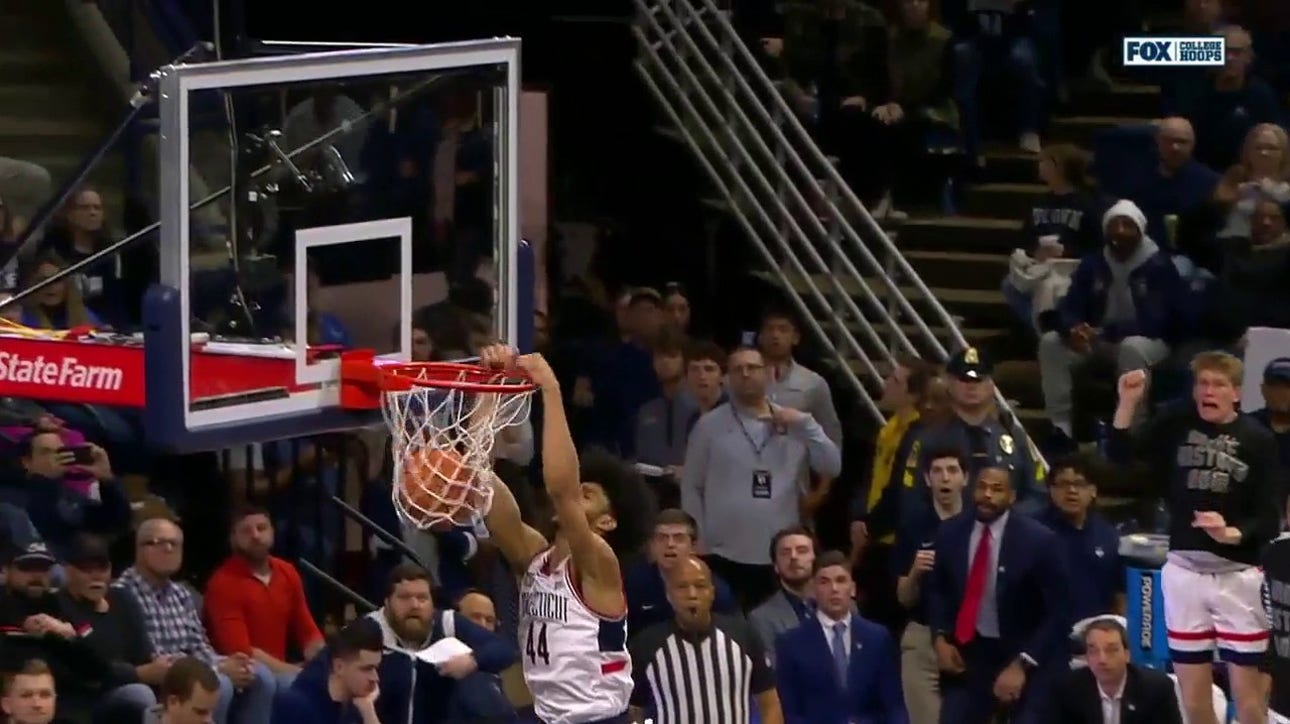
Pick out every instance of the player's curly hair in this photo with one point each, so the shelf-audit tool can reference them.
(630, 500)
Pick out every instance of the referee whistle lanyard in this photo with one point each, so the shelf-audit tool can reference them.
(739, 420)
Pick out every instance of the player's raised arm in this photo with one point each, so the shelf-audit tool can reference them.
(518, 541)
(592, 556)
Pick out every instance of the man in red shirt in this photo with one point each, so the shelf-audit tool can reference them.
(255, 602)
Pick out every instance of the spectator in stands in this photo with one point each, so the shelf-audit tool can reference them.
(79, 232)
(935, 411)
(1234, 103)
(255, 602)
(1127, 303)
(172, 618)
(478, 608)
(190, 693)
(793, 552)
(1088, 542)
(835, 59)
(792, 384)
(995, 34)
(417, 692)
(114, 630)
(1173, 183)
(946, 479)
(663, 424)
(346, 690)
(677, 306)
(838, 667)
(29, 695)
(744, 469)
(1061, 225)
(623, 379)
(1253, 285)
(60, 305)
(60, 506)
(1275, 412)
(422, 344)
(975, 429)
(724, 672)
(674, 540)
(1111, 688)
(998, 609)
(1263, 172)
(876, 508)
(321, 327)
(922, 74)
(1182, 89)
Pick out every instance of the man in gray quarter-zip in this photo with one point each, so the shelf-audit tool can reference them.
(744, 469)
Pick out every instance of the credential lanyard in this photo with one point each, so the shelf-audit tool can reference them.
(748, 436)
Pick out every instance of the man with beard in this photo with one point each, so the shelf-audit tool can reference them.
(997, 607)
(344, 693)
(416, 692)
(1220, 470)
(1126, 305)
(674, 541)
(793, 551)
(28, 695)
(573, 612)
(945, 477)
(115, 630)
(40, 626)
(700, 666)
(255, 602)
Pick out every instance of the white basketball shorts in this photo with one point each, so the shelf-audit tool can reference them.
(1204, 611)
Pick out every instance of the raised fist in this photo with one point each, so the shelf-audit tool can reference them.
(1131, 386)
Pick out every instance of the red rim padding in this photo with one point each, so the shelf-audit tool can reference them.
(363, 379)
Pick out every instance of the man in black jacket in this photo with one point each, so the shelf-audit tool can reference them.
(35, 624)
(115, 631)
(1111, 689)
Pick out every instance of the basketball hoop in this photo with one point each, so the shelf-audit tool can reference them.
(443, 418)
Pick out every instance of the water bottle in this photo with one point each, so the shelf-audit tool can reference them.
(1100, 433)
(1160, 518)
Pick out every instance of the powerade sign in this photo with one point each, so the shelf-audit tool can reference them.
(1148, 638)
(1199, 51)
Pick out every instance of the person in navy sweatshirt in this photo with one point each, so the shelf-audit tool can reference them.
(416, 692)
(343, 688)
(1127, 304)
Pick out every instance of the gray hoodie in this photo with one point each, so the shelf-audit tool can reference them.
(1120, 308)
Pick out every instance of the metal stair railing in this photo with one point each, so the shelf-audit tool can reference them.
(787, 196)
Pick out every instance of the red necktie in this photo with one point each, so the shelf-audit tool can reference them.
(965, 626)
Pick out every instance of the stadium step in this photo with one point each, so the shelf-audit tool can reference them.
(960, 233)
(1002, 200)
(1083, 130)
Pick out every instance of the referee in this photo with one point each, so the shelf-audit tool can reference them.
(700, 667)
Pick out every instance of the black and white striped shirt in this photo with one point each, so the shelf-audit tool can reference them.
(699, 678)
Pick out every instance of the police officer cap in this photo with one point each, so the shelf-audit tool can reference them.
(1278, 370)
(969, 365)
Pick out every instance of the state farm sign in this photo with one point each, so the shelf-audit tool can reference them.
(63, 372)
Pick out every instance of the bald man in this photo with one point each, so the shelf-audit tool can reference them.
(1153, 167)
(717, 650)
(173, 622)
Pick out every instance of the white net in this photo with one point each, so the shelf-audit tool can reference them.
(442, 440)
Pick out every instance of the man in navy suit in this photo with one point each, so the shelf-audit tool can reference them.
(837, 667)
(997, 608)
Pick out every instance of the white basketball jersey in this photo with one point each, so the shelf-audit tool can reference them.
(575, 662)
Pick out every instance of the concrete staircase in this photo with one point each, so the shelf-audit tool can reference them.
(964, 258)
(53, 108)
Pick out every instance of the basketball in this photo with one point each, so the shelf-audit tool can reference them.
(437, 489)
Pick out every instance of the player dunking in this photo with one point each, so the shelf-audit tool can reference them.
(1223, 509)
(573, 612)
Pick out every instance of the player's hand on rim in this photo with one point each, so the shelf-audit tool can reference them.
(505, 357)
